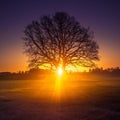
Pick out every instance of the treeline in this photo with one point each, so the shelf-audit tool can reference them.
(24, 75)
(39, 74)
(108, 72)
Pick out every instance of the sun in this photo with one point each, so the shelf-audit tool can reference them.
(60, 71)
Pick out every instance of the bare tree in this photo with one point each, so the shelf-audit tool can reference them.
(59, 40)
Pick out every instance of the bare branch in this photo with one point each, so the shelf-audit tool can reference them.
(51, 39)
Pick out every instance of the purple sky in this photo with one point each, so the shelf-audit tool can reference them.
(102, 16)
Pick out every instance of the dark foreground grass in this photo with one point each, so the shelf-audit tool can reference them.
(70, 100)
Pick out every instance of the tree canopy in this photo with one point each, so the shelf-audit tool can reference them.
(58, 40)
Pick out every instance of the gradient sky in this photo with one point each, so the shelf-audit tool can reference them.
(102, 16)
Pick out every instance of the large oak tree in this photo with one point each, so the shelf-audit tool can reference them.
(59, 40)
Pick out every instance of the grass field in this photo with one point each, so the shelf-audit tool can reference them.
(60, 99)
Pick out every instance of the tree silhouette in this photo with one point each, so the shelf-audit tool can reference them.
(59, 40)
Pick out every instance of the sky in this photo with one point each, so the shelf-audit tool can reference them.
(102, 16)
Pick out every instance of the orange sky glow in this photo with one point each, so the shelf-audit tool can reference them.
(17, 61)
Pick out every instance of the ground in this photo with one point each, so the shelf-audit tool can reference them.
(63, 100)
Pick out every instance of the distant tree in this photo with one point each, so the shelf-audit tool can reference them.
(59, 40)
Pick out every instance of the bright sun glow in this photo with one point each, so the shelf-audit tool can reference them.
(60, 71)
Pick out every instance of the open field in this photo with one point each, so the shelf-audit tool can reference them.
(60, 100)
